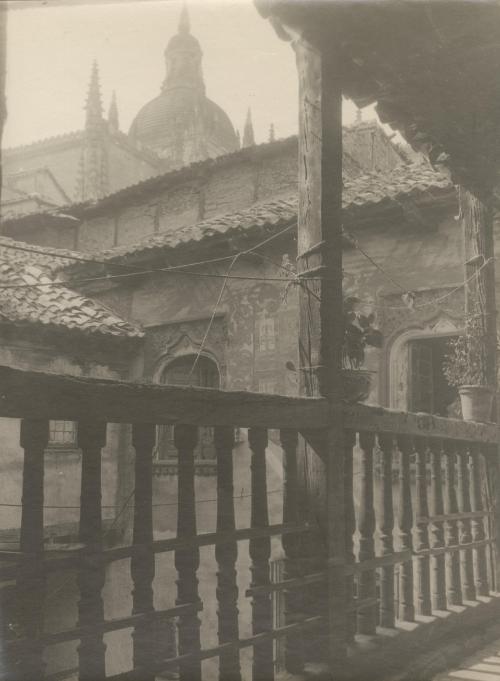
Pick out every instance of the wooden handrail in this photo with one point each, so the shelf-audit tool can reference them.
(31, 394)
(366, 418)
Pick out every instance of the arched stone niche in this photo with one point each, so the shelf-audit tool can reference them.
(396, 358)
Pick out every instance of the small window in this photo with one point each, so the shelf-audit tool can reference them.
(267, 340)
(62, 433)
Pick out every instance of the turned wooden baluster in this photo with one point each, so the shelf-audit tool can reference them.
(260, 552)
(292, 549)
(143, 560)
(438, 575)
(91, 576)
(226, 555)
(423, 576)
(477, 524)
(187, 560)
(366, 616)
(31, 581)
(350, 529)
(465, 534)
(386, 527)
(452, 560)
(405, 520)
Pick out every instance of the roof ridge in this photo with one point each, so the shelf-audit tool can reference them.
(73, 134)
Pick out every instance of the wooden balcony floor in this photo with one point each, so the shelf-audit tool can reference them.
(484, 665)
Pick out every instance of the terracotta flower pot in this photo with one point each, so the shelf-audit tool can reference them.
(477, 402)
(356, 384)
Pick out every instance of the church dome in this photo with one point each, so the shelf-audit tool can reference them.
(182, 125)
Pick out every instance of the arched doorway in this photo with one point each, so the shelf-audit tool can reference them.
(180, 372)
(416, 379)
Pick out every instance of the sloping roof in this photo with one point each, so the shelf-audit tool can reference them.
(361, 195)
(55, 305)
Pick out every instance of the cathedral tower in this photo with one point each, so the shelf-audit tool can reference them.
(92, 178)
(182, 125)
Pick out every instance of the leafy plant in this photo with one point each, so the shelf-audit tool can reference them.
(465, 363)
(359, 332)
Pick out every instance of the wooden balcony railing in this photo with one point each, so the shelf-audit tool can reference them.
(415, 545)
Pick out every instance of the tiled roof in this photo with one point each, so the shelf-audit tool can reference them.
(361, 195)
(54, 305)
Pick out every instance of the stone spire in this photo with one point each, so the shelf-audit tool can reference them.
(248, 136)
(183, 58)
(184, 23)
(92, 177)
(113, 119)
(93, 105)
(272, 136)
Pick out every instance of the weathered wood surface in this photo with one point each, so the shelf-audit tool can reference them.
(207, 653)
(366, 617)
(477, 524)
(260, 553)
(465, 534)
(91, 575)
(30, 583)
(142, 564)
(187, 560)
(423, 575)
(380, 420)
(29, 394)
(386, 528)
(226, 555)
(438, 578)
(405, 522)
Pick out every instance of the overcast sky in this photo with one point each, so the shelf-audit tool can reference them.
(51, 48)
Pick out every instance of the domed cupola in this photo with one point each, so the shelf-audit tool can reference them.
(182, 125)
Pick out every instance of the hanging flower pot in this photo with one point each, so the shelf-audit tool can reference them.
(477, 402)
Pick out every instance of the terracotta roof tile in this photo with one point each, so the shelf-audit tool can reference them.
(368, 190)
(54, 304)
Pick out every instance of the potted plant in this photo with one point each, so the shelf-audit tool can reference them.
(359, 332)
(465, 368)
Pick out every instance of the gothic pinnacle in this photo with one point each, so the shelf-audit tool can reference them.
(93, 105)
(113, 119)
(248, 134)
(184, 25)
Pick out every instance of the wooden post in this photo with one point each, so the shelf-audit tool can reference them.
(91, 651)
(406, 605)
(423, 564)
(367, 615)
(30, 582)
(350, 529)
(319, 242)
(226, 555)
(142, 563)
(438, 575)
(452, 560)
(260, 552)
(292, 548)
(465, 536)
(479, 252)
(477, 524)
(386, 526)
(187, 560)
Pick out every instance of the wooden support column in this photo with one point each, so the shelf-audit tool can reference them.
(292, 550)
(319, 242)
(386, 527)
(142, 563)
(260, 552)
(187, 560)
(226, 555)
(91, 576)
(30, 582)
(479, 252)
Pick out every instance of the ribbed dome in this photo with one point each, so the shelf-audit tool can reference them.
(178, 115)
(182, 125)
